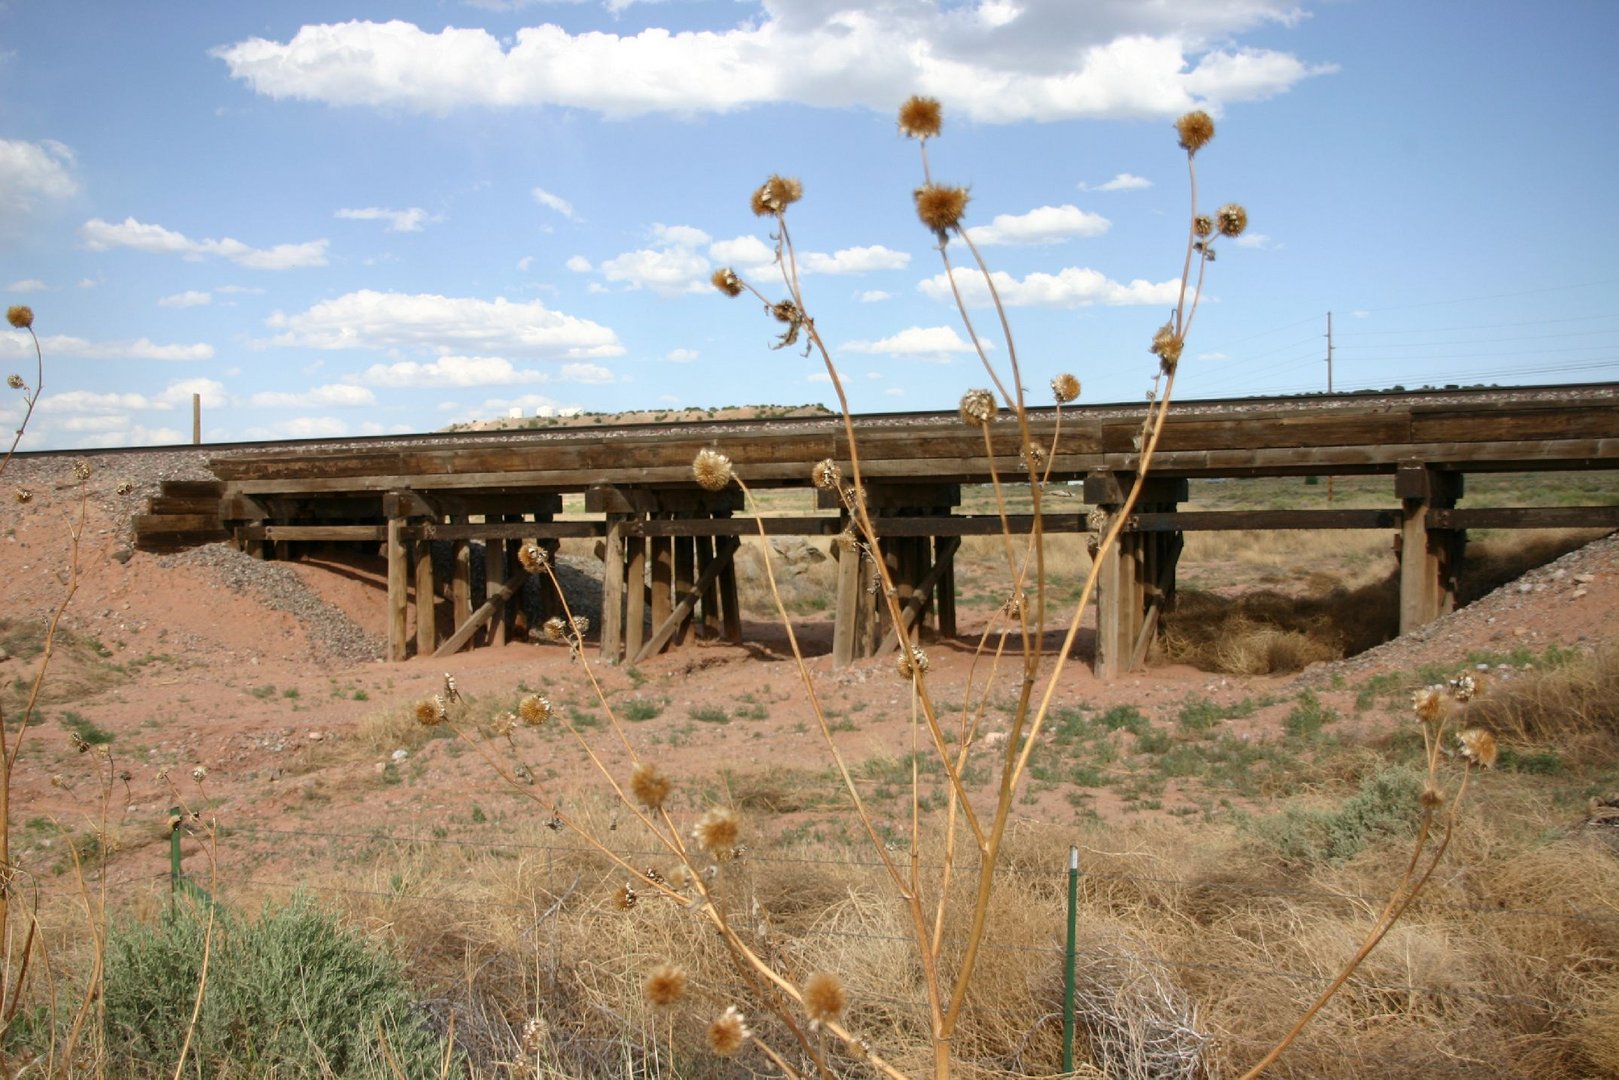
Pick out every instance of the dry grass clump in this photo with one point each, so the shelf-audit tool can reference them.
(1266, 632)
(1573, 709)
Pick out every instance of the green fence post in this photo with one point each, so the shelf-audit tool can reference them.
(176, 816)
(1068, 962)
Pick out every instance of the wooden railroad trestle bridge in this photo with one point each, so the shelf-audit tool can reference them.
(668, 545)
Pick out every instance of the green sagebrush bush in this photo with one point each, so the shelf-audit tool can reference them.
(1383, 807)
(290, 994)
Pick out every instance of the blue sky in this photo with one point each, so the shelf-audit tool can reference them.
(345, 218)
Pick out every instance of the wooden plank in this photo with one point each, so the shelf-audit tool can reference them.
(683, 608)
(1228, 520)
(685, 557)
(516, 530)
(174, 504)
(460, 584)
(739, 526)
(849, 598)
(944, 594)
(372, 533)
(1527, 517)
(176, 524)
(918, 599)
(398, 567)
(495, 565)
(426, 615)
(635, 596)
(612, 612)
(476, 620)
(663, 576)
(730, 602)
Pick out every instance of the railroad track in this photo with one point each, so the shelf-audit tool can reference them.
(1186, 409)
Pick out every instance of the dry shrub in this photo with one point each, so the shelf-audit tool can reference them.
(1139, 1025)
(1266, 632)
(1573, 709)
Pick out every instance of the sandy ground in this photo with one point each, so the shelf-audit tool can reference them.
(196, 673)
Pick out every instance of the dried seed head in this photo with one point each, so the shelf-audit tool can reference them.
(534, 1035)
(504, 723)
(21, 316)
(712, 470)
(666, 985)
(1097, 520)
(199, 774)
(726, 281)
(977, 407)
(716, 831)
(81, 470)
(451, 691)
(941, 208)
(24, 495)
(581, 626)
(912, 661)
(1195, 129)
(430, 711)
(1232, 219)
(824, 997)
(1065, 388)
(1033, 459)
(650, 786)
(1203, 225)
(786, 311)
(533, 558)
(125, 487)
(921, 117)
(1463, 688)
(1167, 345)
(1013, 607)
(1432, 797)
(624, 897)
(1478, 746)
(15, 382)
(826, 475)
(1428, 703)
(556, 628)
(534, 710)
(776, 195)
(727, 1034)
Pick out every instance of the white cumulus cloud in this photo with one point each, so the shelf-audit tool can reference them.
(554, 202)
(996, 61)
(368, 319)
(398, 220)
(189, 298)
(450, 371)
(855, 260)
(1070, 287)
(13, 346)
(27, 285)
(101, 235)
(1122, 182)
(30, 172)
(341, 395)
(1043, 225)
(587, 373)
(918, 341)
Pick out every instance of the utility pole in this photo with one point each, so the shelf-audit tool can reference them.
(1329, 386)
(1329, 352)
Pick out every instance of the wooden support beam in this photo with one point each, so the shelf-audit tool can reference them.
(663, 578)
(635, 590)
(683, 607)
(476, 620)
(426, 594)
(850, 596)
(917, 602)
(460, 580)
(711, 598)
(612, 613)
(1429, 556)
(494, 574)
(730, 602)
(685, 557)
(398, 596)
(944, 593)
